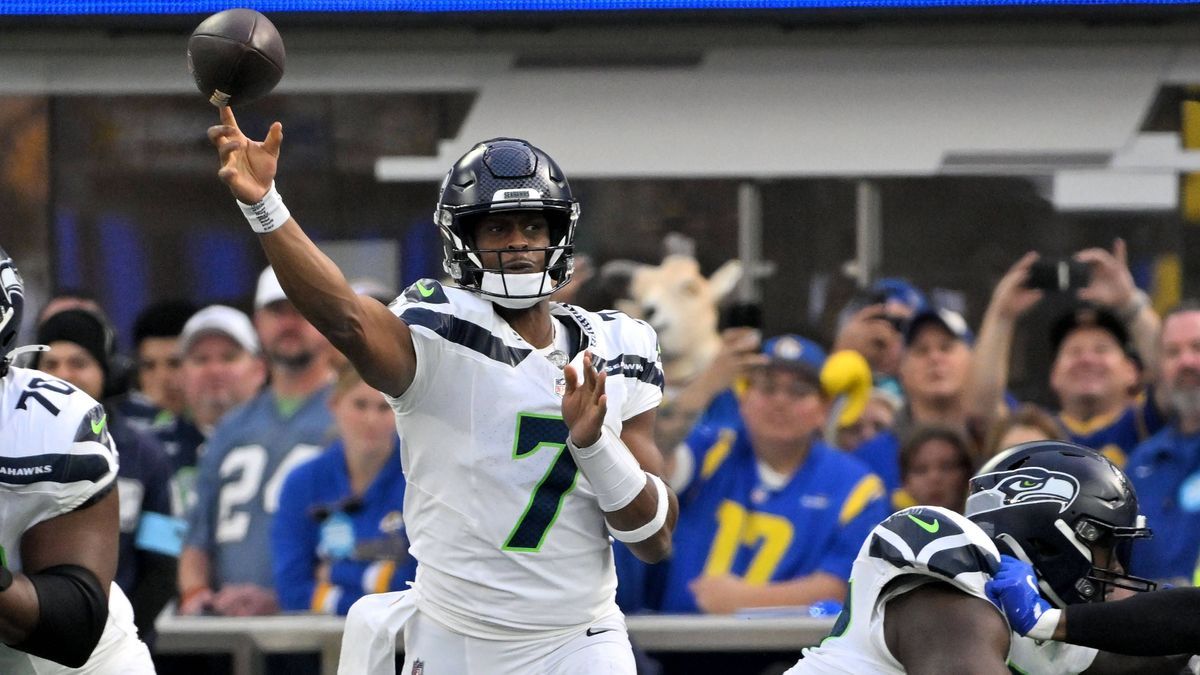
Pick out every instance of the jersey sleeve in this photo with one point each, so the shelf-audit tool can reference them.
(429, 313)
(294, 542)
(934, 544)
(864, 506)
(78, 464)
(642, 366)
(699, 456)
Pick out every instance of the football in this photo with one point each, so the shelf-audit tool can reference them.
(235, 57)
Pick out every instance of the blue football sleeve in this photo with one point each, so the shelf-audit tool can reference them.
(294, 543)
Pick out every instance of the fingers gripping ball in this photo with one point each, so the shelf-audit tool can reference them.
(846, 374)
(235, 56)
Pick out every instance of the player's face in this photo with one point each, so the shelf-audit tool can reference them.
(70, 362)
(1180, 362)
(935, 365)
(937, 475)
(158, 372)
(287, 338)
(218, 374)
(364, 419)
(1091, 366)
(782, 406)
(513, 232)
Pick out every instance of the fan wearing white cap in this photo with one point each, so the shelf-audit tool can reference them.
(225, 567)
(527, 425)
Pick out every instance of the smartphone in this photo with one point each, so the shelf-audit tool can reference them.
(744, 315)
(1050, 274)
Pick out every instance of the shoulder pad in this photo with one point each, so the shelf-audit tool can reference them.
(934, 541)
(428, 291)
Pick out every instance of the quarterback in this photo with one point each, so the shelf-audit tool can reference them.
(527, 425)
(60, 611)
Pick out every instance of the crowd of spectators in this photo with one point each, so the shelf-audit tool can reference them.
(260, 474)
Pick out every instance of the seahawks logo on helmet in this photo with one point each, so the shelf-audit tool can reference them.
(1030, 485)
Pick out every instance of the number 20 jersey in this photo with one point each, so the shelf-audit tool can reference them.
(509, 537)
(913, 547)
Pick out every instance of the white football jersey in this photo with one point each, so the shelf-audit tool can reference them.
(508, 533)
(913, 547)
(55, 455)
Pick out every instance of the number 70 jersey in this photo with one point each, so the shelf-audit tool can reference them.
(55, 453)
(509, 536)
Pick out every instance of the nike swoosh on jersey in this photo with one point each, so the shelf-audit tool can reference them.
(931, 528)
(98, 425)
(425, 292)
(593, 631)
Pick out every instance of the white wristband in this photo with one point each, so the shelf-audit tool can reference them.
(268, 214)
(616, 477)
(1045, 626)
(649, 529)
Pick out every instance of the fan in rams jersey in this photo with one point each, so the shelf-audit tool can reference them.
(60, 611)
(519, 465)
(920, 587)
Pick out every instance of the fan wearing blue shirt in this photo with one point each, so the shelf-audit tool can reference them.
(1165, 470)
(225, 567)
(339, 530)
(769, 514)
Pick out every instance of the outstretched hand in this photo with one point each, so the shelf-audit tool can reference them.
(584, 403)
(247, 166)
(1012, 297)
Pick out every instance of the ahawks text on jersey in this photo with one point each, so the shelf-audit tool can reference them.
(56, 456)
(509, 535)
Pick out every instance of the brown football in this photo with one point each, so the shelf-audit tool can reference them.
(235, 57)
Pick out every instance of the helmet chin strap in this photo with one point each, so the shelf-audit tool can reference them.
(516, 291)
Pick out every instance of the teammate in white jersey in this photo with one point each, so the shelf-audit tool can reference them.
(527, 427)
(923, 583)
(60, 611)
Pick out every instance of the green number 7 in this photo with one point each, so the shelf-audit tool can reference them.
(535, 432)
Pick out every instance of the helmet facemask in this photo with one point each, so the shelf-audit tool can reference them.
(464, 261)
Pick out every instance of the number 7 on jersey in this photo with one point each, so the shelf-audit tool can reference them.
(535, 432)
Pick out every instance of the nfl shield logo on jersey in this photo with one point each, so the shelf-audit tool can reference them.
(418, 667)
(560, 387)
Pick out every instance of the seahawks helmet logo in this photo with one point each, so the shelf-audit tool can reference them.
(1031, 485)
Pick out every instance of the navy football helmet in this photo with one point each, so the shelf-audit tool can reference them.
(506, 174)
(1053, 504)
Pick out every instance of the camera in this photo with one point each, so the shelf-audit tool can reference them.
(1058, 275)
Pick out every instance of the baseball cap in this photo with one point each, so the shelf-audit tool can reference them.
(220, 319)
(950, 321)
(1087, 316)
(897, 289)
(794, 351)
(268, 290)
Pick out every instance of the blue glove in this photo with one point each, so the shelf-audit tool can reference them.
(1015, 591)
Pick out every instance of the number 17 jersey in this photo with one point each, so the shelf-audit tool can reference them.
(510, 540)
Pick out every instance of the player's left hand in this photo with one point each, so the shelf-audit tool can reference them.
(1015, 591)
(245, 600)
(720, 594)
(584, 403)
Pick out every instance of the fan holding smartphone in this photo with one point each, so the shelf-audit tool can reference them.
(1097, 345)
